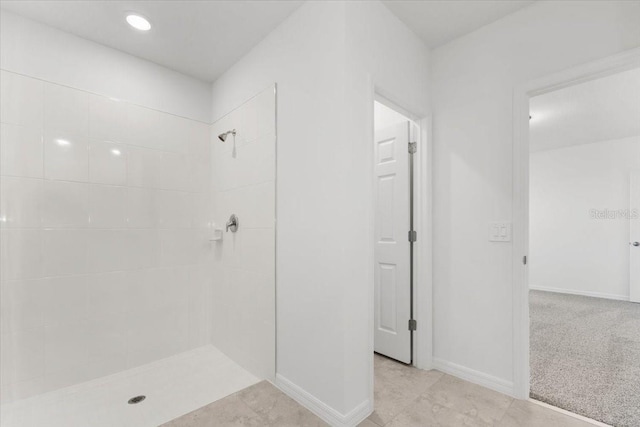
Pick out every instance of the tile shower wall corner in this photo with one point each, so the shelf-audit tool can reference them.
(243, 182)
(104, 226)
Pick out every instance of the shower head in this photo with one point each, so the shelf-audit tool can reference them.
(223, 136)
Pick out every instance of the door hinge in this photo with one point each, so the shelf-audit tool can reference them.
(413, 236)
(413, 324)
(524, 260)
(413, 147)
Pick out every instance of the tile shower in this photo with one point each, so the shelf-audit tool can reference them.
(107, 212)
(243, 313)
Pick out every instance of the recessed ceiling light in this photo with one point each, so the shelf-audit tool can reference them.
(138, 22)
(63, 142)
(116, 152)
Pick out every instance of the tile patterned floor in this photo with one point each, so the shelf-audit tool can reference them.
(404, 397)
(259, 405)
(408, 397)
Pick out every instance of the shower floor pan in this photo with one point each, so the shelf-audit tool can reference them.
(172, 387)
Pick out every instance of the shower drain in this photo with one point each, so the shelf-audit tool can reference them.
(136, 399)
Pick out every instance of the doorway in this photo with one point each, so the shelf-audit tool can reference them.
(577, 154)
(402, 289)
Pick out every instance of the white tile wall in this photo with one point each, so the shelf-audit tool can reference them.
(21, 150)
(173, 172)
(142, 249)
(22, 100)
(21, 202)
(107, 293)
(107, 162)
(143, 167)
(22, 302)
(65, 204)
(64, 252)
(174, 209)
(21, 254)
(22, 356)
(104, 217)
(66, 156)
(105, 250)
(66, 109)
(243, 182)
(141, 208)
(66, 300)
(107, 206)
(107, 119)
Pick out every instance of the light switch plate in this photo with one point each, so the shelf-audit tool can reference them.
(499, 231)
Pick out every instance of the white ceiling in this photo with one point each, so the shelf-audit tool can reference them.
(440, 21)
(598, 110)
(204, 38)
(197, 38)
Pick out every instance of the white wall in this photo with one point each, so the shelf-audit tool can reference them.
(472, 85)
(325, 59)
(104, 246)
(571, 249)
(304, 56)
(33, 49)
(382, 55)
(243, 312)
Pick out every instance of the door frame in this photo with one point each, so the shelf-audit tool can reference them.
(422, 223)
(634, 178)
(624, 61)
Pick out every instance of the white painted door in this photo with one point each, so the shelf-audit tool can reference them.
(392, 286)
(634, 236)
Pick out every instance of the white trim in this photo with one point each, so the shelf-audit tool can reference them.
(379, 96)
(520, 301)
(570, 414)
(607, 66)
(321, 409)
(369, 158)
(583, 293)
(489, 381)
(422, 266)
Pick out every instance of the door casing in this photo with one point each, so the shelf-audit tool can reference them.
(634, 236)
(422, 278)
(611, 65)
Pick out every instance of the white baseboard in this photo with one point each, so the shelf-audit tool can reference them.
(321, 409)
(583, 293)
(473, 376)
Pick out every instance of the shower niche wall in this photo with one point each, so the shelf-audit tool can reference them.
(244, 184)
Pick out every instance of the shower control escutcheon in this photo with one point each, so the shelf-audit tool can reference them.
(232, 224)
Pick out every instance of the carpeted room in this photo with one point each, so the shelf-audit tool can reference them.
(585, 291)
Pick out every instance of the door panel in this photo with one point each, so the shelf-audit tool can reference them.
(388, 319)
(634, 236)
(392, 278)
(386, 188)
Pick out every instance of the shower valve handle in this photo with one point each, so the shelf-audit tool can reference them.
(232, 224)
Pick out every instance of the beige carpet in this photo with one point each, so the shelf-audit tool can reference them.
(585, 356)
